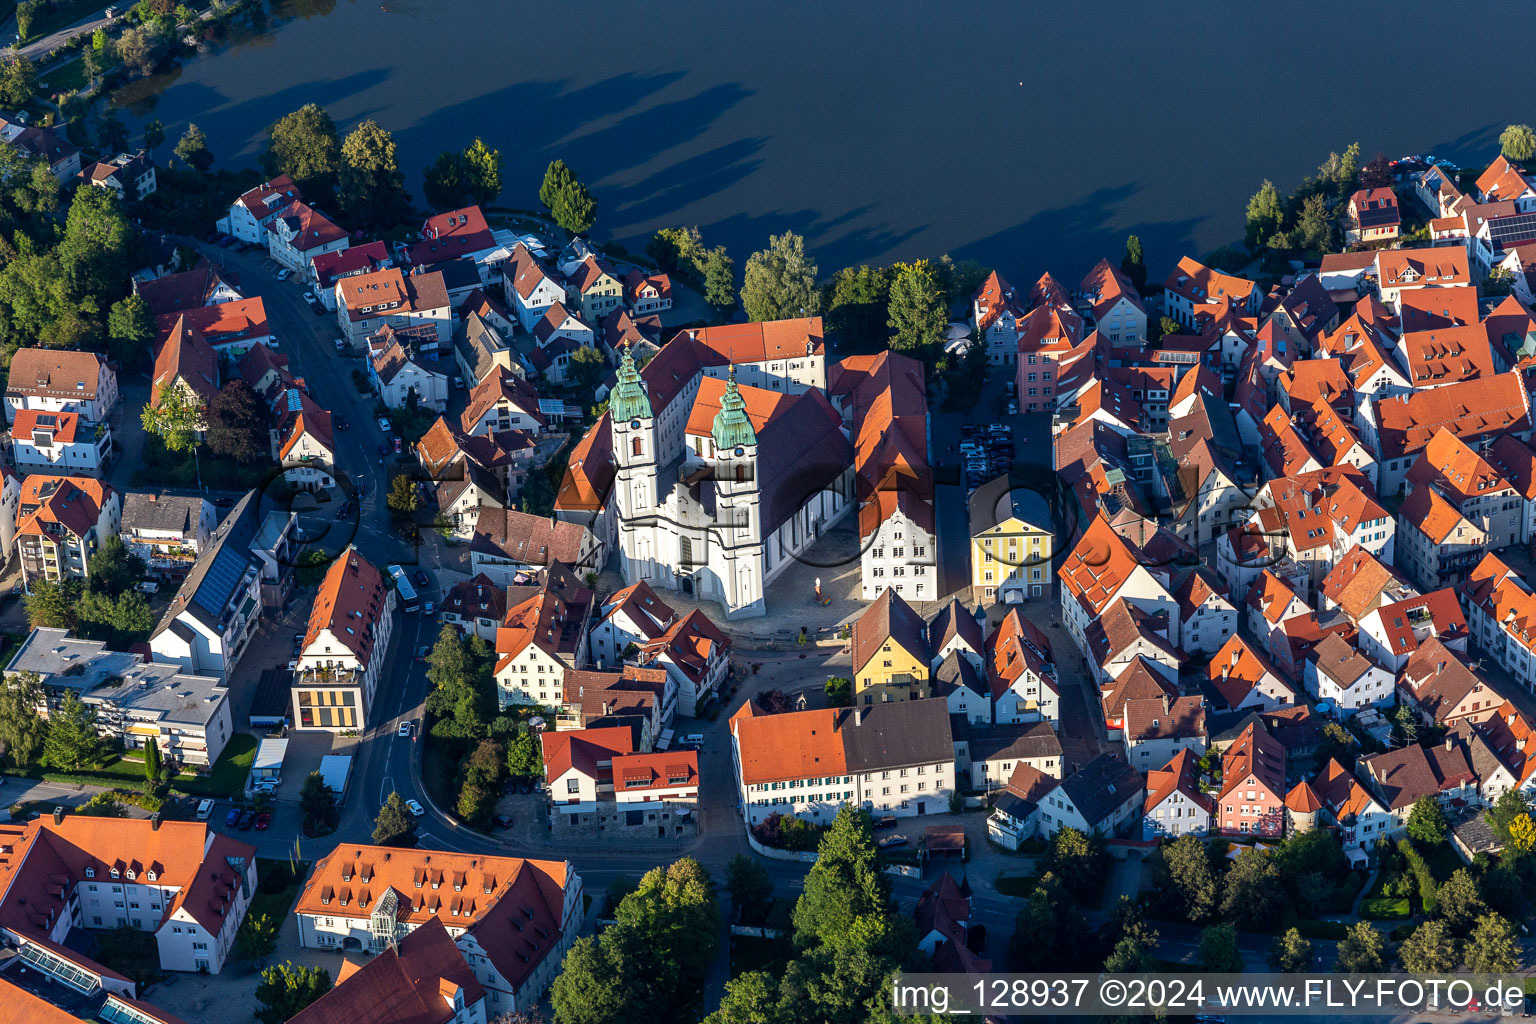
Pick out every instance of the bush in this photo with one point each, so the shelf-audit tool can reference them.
(1383, 909)
(787, 832)
(1425, 878)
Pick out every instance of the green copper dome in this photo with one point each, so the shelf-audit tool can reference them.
(629, 400)
(732, 428)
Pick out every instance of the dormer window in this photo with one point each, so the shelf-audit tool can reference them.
(151, 876)
(114, 873)
(90, 872)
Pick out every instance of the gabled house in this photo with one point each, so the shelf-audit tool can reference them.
(297, 233)
(367, 303)
(1207, 617)
(1020, 673)
(251, 212)
(475, 606)
(1501, 611)
(1438, 546)
(1442, 689)
(593, 287)
(1252, 796)
(59, 443)
(996, 312)
(1392, 632)
(61, 521)
(398, 364)
(1124, 633)
(60, 380)
(1158, 728)
(543, 637)
(1194, 289)
(207, 284)
(1479, 492)
(1339, 674)
(1175, 806)
(502, 401)
(303, 440)
(528, 287)
(507, 542)
(647, 294)
(423, 978)
(345, 646)
(1362, 819)
(696, 656)
(890, 652)
(1245, 680)
(1101, 569)
(1398, 778)
(1104, 797)
(1373, 216)
(628, 619)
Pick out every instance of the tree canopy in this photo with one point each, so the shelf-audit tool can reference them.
(1426, 822)
(305, 146)
(1517, 142)
(237, 424)
(192, 149)
(285, 990)
(918, 315)
(72, 742)
(395, 825)
(21, 728)
(568, 201)
(779, 282)
(369, 187)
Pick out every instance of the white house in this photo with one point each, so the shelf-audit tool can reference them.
(367, 303)
(1103, 797)
(60, 380)
(297, 233)
(397, 366)
(1174, 805)
(60, 443)
(345, 646)
(1338, 673)
(250, 214)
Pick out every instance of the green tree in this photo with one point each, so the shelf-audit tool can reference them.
(1190, 878)
(97, 238)
(18, 81)
(285, 990)
(305, 146)
(557, 178)
(130, 330)
(22, 729)
(1080, 862)
(525, 759)
(257, 937)
(174, 417)
(142, 48)
(843, 885)
(1499, 282)
(677, 250)
(482, 172)
(1426, 822)
(443, 181)
(1265, 215)
(192, 149)
(395, 825)
(1493, 947)
(750, 998)
(720, 279)
(154, 135)
(857, 304)
(593, 985)
(586, 370)
(1253, 892)
(779, 282)
(1133, 265)
(462, 697)
(113, 569)
(1051, 932)
(1522, 834)
(151, 761)
(237, 424)
(369, 188)
(480, 781)
(26, 15)
(1336, 744)
(1429, 950)
(1314, 230)
(72, 742)
(1131, 952)
(1218, 950)
(1362, 950)
(917, 315)
(1405, 726)
(52, 603)
(39, 303)
(839, 691)
(750, 886)
(1291, 952)
(1458, 901)
(1517, 142)
(317, 801)
(404, 500)
(567, 199)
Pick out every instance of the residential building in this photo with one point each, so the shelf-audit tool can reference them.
(1207, 617)
(593, 287)
(1373, 216)
(59, 443)
(1104, 797)
(367, 303)
(130, 175)
(528, 287)
(1125, 633)
(1400, 426)
(483, 349)
(180, 880)
(642, 700)
(1362, 819)
(345, 646)
(1118, 313)
(475, 606)
(1016, 807)
(1102, 568)
(186, 363)
(297, 233)
(60, 380)
(543, 638)
(578, 771)
(423, 979)
(1398, 270)
(1345, 678)
(1478, 492)
(251, 213)
(512, 919)
(1392, 632)
(1501, 611)
(996, 312)
(628, 619)
(209, 623)
(454, 235)
(402, 361)
(1175, 806)
(168, 531)
(986, 756)
(506, 543)
(207, 284)
(646, 294)
(1154, 730)
(1252, 796)
(62, 156)
(1193, 290)
(303, 440)
(60, 522)
(1398, 778)
(1012, 542)
(328, 268)
(696, 657)
(586, 494)
(890, 653)
(1020, 673)
(502, 401)
(892, 758)
(1245, 679)
(231, 328)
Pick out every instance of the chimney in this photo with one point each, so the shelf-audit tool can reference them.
(1448, 743)
(154, 822)
(58, 815)
(858, 715)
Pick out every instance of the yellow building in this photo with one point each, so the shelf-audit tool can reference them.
(890, 653)
(1011, 542)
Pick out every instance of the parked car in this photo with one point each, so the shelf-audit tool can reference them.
(341, 423)
(384, 424)
(892, 840)
(232, 818)
(344, 511)
(263, 820)
(384, 448)
(886, 822)
(415, 808)
(205, 810)
(458, 383)
(247, 819)
(341, 344)
(423, 651)
(309, 297)
(224, 502)
(422, 579)
(396, 442)
(284, 274)
(503, 821)
(298, 643)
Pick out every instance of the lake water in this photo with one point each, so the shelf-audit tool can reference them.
(1025, 135)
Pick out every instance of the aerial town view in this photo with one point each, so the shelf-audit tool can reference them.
(656, 533)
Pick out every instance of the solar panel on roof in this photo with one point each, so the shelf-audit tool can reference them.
(294, 403)
(221, 580)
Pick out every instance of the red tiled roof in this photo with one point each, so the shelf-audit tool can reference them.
(349, 604)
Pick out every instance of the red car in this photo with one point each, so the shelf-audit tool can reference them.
(263, 820)
(396, 440)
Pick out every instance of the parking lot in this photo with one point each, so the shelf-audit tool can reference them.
(987, 451)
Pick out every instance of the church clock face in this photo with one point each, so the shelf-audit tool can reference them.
(741, 451)
(634, 424)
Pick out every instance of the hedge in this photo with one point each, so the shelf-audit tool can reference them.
(1421, 873)
(1382, 908)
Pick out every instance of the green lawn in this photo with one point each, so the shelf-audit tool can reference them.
(1442, 859)
(229, 771)
(277, 886)
(63, 78)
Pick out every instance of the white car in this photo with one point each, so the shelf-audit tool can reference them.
(405, 729)
(384, 424)
(284, 274)
(415, 808)
(341, 344)
(309, 297)
(458, 383)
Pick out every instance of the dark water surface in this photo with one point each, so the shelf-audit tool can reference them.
(1024, 135)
